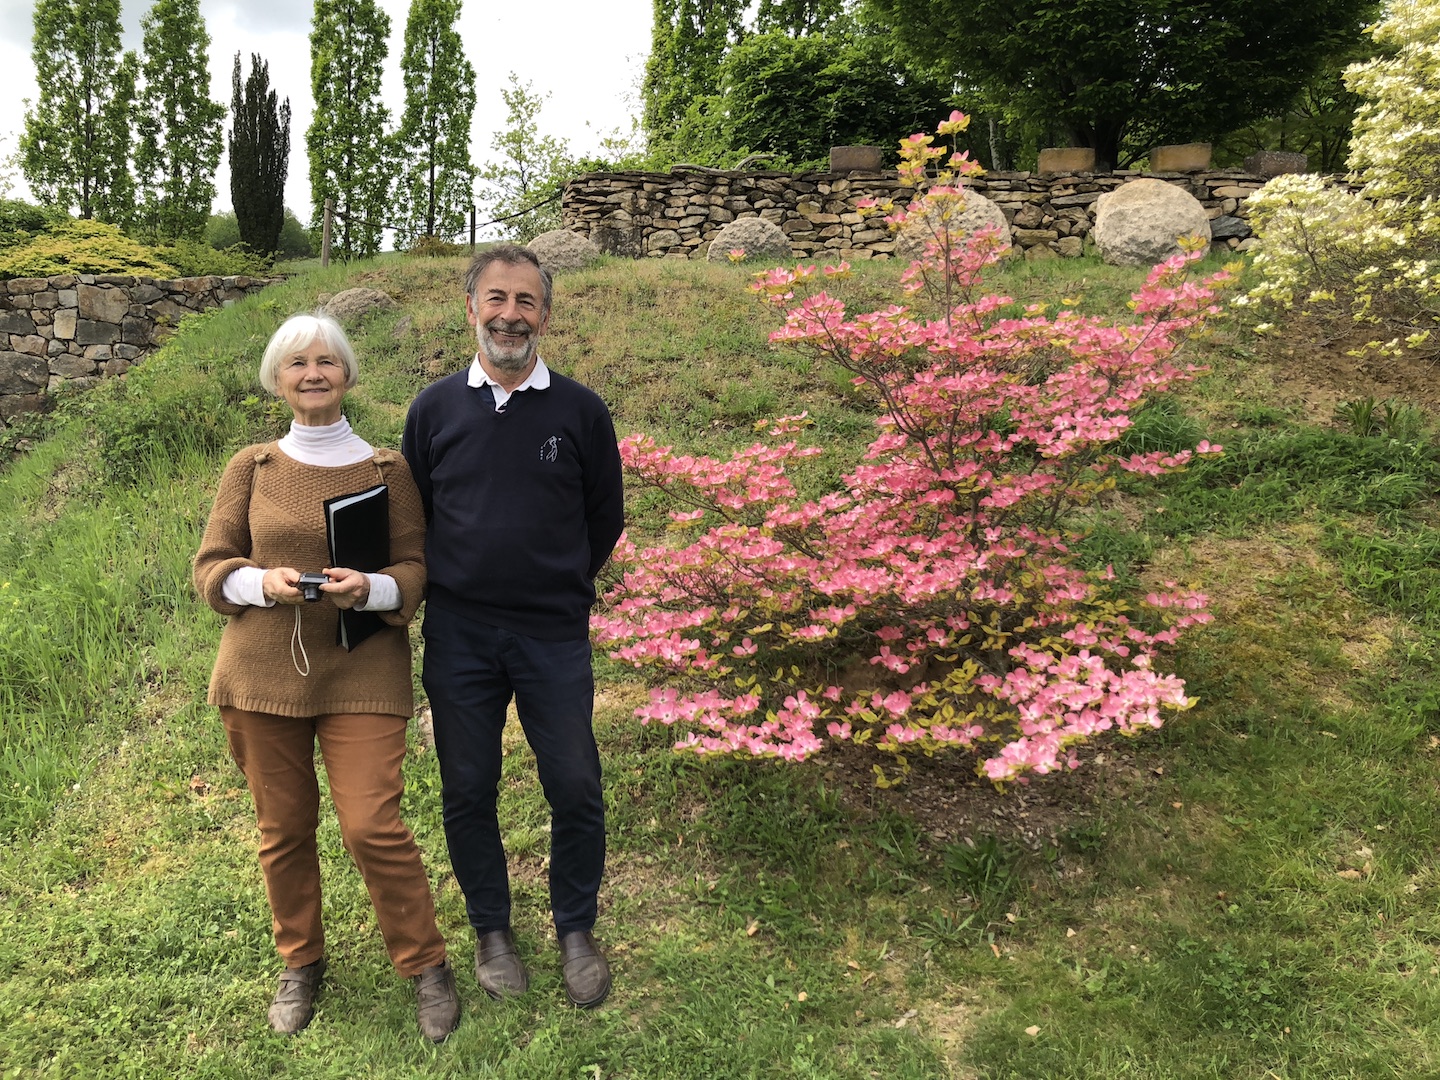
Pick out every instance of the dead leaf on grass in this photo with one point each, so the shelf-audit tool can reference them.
(1032, 1030)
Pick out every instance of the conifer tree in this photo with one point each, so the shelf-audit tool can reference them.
(259, 156)
(434, 138)
(178, 126)
(350, 159)
(75, 150)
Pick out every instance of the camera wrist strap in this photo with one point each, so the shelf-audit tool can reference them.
(294, 641)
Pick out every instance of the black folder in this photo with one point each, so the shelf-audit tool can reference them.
(358, 528)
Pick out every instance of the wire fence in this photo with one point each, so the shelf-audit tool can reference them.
(332, 213)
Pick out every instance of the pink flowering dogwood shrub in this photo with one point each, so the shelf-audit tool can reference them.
(932, 602)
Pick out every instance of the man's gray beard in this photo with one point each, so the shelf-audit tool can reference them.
(511, 361)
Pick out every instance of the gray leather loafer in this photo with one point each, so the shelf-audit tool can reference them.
(587, 975)
(294, 1002)
(437, 1004)
(498, 969)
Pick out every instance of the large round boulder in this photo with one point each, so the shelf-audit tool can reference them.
(357, 303)
(1140, 223)
(560, 250)
(758, 238)
(975, 214)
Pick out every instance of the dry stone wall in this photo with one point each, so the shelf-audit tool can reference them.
(677, 214)
(76, 329)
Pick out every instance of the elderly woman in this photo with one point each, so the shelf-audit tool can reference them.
(282, 682)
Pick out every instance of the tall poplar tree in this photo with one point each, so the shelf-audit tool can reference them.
(178, 126)
(350, 158)
(259, 156)
(75, 151)
(688, 39)
(434, 137)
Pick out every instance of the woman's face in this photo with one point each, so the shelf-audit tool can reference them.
(312, 382)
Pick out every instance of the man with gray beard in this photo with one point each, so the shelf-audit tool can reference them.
(520, 476)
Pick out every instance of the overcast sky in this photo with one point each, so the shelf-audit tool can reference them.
(588, 56)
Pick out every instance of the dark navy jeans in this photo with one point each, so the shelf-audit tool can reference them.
(471, 671)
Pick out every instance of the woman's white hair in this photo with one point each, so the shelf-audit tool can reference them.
(298, 333)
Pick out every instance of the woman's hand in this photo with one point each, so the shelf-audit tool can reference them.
(348, 588)
(279, 585)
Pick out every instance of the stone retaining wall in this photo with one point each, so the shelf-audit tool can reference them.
(75, 329)
(676, 214)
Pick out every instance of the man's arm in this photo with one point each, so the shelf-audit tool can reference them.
(604, 492)
(415, 449)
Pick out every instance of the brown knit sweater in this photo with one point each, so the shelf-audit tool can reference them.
(267, 513)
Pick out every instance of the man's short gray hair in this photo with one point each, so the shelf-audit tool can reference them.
(515, 255)
(298, 333)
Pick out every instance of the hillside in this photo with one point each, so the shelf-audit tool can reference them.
(1248, 892)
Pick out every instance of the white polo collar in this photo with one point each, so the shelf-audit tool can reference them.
(538, 379)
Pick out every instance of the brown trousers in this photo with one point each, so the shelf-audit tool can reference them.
(363, 754)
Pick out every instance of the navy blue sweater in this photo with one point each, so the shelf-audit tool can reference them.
(523, 506)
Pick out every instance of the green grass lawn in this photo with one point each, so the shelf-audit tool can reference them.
(1250, 892)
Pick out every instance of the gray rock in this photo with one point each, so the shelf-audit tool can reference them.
(104, 304)
(560, 250)
(1271, 163)
(12, 405)
(21, 373)
(1140, 223)
(96, 333)
(357, 303)
(760, 239)
(1225, 226)
(978, 213)
(16, 322)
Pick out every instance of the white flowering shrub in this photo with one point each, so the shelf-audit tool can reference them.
(1373, 259)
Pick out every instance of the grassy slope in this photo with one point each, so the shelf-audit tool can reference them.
(1195, 924)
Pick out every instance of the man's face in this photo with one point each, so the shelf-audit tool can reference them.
(507, 311)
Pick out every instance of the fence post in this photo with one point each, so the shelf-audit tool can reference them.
(472, 228)
(325, 233)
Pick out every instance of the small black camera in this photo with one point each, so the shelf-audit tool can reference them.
(309, 585)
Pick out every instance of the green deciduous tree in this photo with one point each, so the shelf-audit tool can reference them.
(531, 168)
(75, 151)
(688, 39)
(259, 156)
(1121, 75)
(437, 178)
(350, 155)
(178, 126)
(855, 92)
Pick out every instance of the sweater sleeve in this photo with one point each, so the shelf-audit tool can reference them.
(225, 546)
(604, 492)
(407, 538)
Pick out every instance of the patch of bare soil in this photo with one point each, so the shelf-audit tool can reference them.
(945, 798)
(1315, 377)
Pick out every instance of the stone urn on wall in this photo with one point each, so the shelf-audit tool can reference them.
(1066, 159)
(846, 159)
(1181, 157)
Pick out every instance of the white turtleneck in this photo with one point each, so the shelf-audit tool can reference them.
(328, 447)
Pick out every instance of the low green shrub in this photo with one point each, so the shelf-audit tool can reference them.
(82, 247)
(194, 259)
